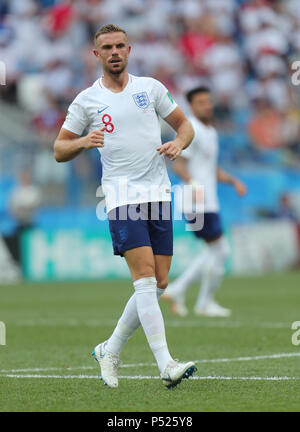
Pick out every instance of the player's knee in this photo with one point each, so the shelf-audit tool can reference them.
(146, 271)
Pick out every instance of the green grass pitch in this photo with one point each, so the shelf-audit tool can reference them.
(245, 363)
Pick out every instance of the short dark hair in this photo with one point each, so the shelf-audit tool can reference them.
(190, 94)
(108, 28)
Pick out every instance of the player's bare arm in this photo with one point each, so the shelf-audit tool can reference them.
(225, 177)
(185, 134)
(68, 144)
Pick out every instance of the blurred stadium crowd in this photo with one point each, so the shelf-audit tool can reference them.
(242, 49)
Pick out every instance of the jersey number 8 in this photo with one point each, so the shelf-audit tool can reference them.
(106, 120)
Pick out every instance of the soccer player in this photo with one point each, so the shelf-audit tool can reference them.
(198, 167)
(120, 112)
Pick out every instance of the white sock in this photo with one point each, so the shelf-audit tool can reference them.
(213, 271)
(127, 325)
(207, 273)
(191, 274)
(152, 320)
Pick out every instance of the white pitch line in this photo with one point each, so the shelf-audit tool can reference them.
(46, 369)
(261, 357)
(220, 323)
(212, 377)
(132, 365)
(141, 377)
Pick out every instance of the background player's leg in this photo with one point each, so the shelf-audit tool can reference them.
(191, 274)
(213, 271)
(208, 269)
(141, 263)
(177, 289)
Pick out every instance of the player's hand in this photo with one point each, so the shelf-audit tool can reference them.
(95, 139)
(172, 149)
(240, 187)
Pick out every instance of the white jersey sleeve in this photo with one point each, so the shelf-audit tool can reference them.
(164, 104)
(76, 119)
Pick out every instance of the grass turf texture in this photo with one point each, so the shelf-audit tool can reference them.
(57, 326)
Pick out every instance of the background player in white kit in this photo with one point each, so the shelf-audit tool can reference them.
(120, 113)
(198, 166)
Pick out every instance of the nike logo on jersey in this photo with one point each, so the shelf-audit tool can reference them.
(100, 111)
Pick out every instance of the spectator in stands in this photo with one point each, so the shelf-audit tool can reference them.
(265, 127)
(285, 210)
(24, 201)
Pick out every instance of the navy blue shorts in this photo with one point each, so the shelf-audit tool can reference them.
(212, 227)
(147, 224)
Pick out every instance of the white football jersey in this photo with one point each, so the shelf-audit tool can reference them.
(133, 171)
(202, 155)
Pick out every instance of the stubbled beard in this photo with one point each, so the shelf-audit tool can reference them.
(206, 118)
(116, 72)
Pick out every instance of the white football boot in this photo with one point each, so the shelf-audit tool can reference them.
(108, 365)
(212, 309)
(175, 372)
